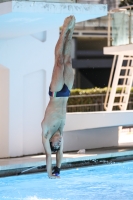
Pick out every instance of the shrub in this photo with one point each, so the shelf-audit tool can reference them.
(94, 97)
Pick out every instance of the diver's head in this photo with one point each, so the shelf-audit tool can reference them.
(55, 142)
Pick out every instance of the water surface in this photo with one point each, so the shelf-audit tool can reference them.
(104, 182)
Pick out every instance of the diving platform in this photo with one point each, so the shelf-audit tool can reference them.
(19, 18)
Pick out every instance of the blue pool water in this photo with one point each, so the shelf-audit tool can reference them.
(105, 182)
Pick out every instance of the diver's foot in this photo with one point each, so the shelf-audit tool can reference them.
(69, 22)
(66, 32)
(69, 25)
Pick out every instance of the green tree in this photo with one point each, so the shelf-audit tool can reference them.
(125, 3)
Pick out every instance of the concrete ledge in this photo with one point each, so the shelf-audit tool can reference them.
(37, 163)
(119, 50)
(89, 120)
(26, 17)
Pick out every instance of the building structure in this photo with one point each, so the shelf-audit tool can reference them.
(27, 47)
(26, 64)
(92, 67)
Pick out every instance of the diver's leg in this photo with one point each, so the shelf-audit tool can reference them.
(68, 71)
(58, 71)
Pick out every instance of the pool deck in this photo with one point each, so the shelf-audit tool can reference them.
(14, 166)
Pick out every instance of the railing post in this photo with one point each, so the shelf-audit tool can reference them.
(102, 103)
(130, 22)
(109, 18)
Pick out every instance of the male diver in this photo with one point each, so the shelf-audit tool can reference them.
(59, 91)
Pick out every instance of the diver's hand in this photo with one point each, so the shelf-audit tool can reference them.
(56, 171)
(53, 177)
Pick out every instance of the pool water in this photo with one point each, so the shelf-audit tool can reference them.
(104, 182)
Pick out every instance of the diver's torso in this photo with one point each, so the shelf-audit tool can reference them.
(55, 115)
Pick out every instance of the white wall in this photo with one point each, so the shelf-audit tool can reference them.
(34, 85)
(90, 138)
(30, 62)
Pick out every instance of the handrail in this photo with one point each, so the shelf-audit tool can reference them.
(124, 81)
(130, 27)
(109, 29)
(87, 95)
(121, 8)
(109, 83)
(90, 104)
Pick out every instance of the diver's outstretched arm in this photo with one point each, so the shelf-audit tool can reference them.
(59, 155)
(48, 157)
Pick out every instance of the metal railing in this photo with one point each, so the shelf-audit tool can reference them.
(120, 26)
(96, 105)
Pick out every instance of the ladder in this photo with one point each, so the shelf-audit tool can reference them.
(121, 77)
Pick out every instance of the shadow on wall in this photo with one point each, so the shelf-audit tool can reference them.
(4, 111)
(90, 138)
